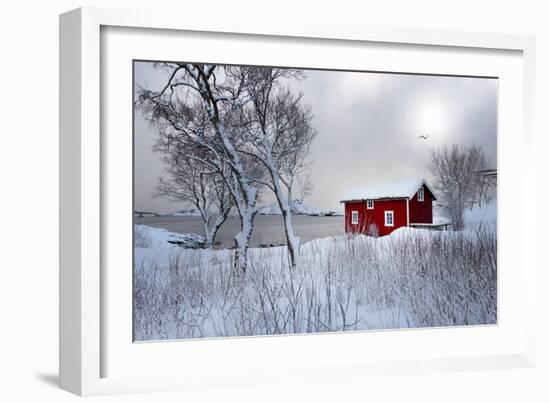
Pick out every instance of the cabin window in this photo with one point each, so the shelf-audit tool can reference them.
(388, 218)
(355, 217)
(421, 194)
(370, 204)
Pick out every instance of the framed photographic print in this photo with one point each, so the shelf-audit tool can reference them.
(245, 203)
(248, 215)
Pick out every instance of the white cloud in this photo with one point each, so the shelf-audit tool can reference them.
(368, 126)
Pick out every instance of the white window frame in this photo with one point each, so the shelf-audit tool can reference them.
(386, 218)
(420, 194)
(355, 214)
(371, 202)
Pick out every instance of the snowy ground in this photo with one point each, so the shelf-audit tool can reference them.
(413, 278)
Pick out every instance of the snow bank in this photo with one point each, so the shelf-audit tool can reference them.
(161, 245)
(159, 237)
(411, 278)
(486, 214)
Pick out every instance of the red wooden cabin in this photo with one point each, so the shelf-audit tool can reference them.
(380, 209)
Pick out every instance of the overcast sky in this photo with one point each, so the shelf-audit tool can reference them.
(368, 128)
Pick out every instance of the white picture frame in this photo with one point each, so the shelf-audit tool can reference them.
(84, 346)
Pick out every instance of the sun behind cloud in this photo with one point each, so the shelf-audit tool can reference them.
(433, 116)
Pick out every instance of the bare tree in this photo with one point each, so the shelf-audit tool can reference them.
(188, 180)
(237, 117)
(200, 113)
(280, 139)
(457, 182)
(488, 186)
(306, 185)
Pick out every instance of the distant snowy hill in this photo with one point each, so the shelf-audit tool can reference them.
(297, 207)
(185, 212)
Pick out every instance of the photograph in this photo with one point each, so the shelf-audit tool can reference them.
(277, 200)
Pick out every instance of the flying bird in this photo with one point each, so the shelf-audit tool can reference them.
(424, 136)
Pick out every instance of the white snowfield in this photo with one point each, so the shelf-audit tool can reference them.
(412, 278)
(389, 190)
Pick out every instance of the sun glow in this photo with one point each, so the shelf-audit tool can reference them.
(432, 117)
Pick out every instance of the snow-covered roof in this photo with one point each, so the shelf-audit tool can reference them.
(389, 190)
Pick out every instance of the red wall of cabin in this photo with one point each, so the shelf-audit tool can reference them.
(421, 211)
(361, 208)
(376, 215)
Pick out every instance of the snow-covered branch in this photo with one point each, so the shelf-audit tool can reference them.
(239, 122)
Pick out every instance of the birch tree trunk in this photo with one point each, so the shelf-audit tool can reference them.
(247, 212)
(285, 205)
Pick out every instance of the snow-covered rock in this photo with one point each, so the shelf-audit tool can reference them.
(150, 237)
(186, 240)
